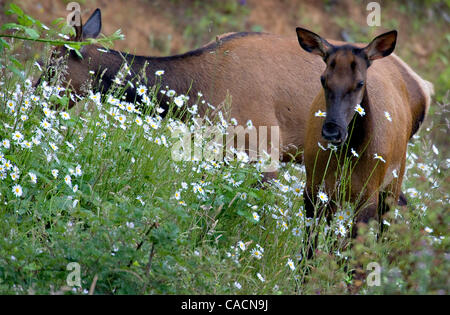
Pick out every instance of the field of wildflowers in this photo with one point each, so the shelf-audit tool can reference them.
(97, 185)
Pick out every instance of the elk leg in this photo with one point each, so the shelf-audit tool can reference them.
(310, 209)
(368, 211)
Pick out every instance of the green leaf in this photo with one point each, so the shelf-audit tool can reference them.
(4, 43)
(57, 21)
(32, 33)
(15, 9)
(64, 101)
(78, 53)
(16, 62)
(25, 21)
(65, 29)
(9, 26)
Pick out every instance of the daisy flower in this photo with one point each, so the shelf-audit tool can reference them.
(256, 253)
(17, 136)
(412, 192)
(114, 112)
(33, 177)
(121, 118)
(11, 105)
(322, 196)
(360, 110)
(78, 171)
(95, 97)
(14, 176)
(129, 107)
(146, 100)
(241, 245)
(70, 145)
(260, 277)
(321, 146)
(159, 73)
(388, 116)
(354, 153)
(428, 230)
(296, 231)
(290, 264)
(6, 143)
(340, 217)
(320, 114)
(55, 173)
(68, 180)
(179, 101)
(435, 149)
(46, 110)
(341, 230)
(255, 216)
(379, 157)
(53, 146)
(7, 164)
(17, 190)
(138, 121)
(142, 89)
(65, 115)
(45, 124)
(36, 140)
(297, 189)
(112, 100)
(27, 144)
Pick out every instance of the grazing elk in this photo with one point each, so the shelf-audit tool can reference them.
(269, 80)
(374, 103)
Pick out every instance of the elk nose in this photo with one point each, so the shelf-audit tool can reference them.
(330, 132)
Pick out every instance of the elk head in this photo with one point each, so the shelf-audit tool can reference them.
(76, 68)
(345, 76)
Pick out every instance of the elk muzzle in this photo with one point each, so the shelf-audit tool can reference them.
(334, 133)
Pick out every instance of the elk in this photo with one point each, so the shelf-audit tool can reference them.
(374, 103)
(268, 79)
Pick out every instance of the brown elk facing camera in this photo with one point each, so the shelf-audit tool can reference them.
(374, 104)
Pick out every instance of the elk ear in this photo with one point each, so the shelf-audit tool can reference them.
(313, 43)
(382, 46)
(93, 26)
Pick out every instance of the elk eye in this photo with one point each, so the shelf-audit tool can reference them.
(322, 80)
(359, 85)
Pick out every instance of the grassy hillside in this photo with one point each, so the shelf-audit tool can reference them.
(97, 185)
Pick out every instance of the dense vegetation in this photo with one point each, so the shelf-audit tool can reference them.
(96, 185)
